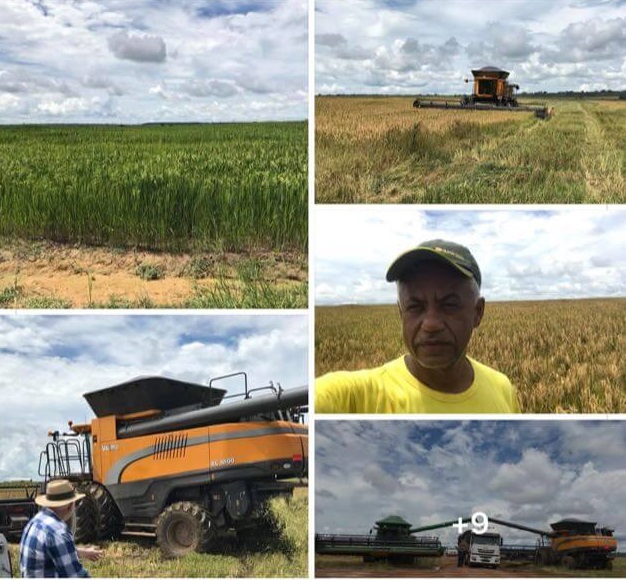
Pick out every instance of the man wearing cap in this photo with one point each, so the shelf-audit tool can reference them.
(47, 547)
(439, 303)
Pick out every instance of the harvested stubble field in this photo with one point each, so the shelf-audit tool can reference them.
(285, 554)
(203, 198)
(382, 150)
(562, 355)
(446, 567)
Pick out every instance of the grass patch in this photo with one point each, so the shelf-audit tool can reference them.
(150, 272)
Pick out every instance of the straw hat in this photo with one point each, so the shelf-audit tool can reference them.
(58, 493)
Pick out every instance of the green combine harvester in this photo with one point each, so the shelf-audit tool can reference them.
(392, 542)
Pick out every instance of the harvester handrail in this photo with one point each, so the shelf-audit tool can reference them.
(230, 375)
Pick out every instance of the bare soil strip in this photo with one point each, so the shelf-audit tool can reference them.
(84, 276)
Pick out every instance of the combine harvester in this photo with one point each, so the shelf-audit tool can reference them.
(492, 92)
(171, 460)
(573, 543)
(392, 543)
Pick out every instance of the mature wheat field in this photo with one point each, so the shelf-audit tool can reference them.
(382, 150)
(225, 187)
(284, 555)
(563, 355)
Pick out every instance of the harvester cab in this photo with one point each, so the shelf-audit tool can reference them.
(491, 86)
(180, 461)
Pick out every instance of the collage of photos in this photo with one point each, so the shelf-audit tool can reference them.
(398, 226)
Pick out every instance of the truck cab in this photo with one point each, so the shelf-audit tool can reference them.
(481, 549)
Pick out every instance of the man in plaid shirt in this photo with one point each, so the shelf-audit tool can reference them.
(47, 548)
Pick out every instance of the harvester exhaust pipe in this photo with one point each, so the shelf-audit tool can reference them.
(291, 398)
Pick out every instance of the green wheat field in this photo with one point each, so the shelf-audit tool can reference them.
(233, 197)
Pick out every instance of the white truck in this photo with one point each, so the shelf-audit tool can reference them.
(481, 549)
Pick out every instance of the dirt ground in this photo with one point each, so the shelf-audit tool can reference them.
(446, 567)
(82, 276)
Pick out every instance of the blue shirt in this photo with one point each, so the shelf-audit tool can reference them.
(47, 549)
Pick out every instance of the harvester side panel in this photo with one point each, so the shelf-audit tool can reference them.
(198, 449)
(144, 500)
(570, 544)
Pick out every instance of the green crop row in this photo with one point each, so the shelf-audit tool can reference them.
(218, 187)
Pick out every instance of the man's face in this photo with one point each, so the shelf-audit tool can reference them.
(439, 309)
(66, 512)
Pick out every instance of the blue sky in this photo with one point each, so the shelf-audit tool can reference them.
(48, 363)
(134, 61)
(527, 472)
(523, 254)
(430, 46)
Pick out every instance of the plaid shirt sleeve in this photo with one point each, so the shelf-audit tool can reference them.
(62, 551)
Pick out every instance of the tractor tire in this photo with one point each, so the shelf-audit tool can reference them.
(183, 527)
(85, 520)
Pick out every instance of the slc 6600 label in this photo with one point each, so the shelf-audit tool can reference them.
(223, 462)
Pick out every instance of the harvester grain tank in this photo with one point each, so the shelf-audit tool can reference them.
(392, 542)
(491, 91)
(173, 460)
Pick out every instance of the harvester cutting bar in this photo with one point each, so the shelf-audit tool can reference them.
(288, 399)
(540, 112)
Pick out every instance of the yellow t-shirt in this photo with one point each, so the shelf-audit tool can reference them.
(391, 388)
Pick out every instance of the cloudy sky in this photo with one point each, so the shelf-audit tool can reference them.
(526, 472)
(49, 362)
(523, 254)
(430, 46)
(133, 61)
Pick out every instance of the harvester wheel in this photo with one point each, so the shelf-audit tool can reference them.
(569, 562)
(183, 527)
(109, 517)
(85, 522)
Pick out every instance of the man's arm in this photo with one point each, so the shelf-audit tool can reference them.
(65, 557)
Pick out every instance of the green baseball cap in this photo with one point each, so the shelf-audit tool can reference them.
(450, 253)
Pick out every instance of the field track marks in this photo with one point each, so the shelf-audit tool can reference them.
(602, 160)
